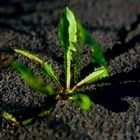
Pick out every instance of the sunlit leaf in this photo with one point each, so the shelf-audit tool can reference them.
(82, 100)
(51, 73)
(29, 55)
(46, 65)
(11, 119)
(67, 30)
(94, 76)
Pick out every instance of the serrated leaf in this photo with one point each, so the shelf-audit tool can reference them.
(29, 55)
(50, 72)
(86, 38)
(67, 30)
(82, 100)
(31, 79)
(46, 65)
(94, 76)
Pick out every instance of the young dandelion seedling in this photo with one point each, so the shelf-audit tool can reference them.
(69, 31)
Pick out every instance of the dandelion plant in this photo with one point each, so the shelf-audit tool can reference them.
(70, 30)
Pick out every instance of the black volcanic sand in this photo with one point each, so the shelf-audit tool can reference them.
(114, 114)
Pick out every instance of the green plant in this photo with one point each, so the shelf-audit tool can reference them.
(69, 31)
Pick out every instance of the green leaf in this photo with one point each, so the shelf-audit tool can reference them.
(45, 112)
(67, 30)
(31, 79)
(94, 76)
(46, 66)
(29, 55)
(86, 37)
(50, 72)
(42, 114)
(82, 100)
(27, 121)
(10, 118)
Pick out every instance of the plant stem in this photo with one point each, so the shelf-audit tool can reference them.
(74, 88)
(68, 76)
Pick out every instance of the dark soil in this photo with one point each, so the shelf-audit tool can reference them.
(114, 114)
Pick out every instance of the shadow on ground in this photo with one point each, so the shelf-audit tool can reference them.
(120, 86)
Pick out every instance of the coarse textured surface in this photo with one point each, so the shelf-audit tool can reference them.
(114, 114)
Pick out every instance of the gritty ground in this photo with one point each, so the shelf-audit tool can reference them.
(114, 114)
